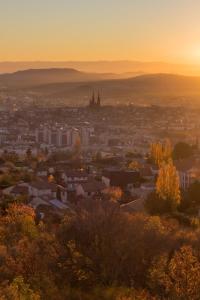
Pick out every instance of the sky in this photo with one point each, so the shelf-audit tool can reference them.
(85, 30)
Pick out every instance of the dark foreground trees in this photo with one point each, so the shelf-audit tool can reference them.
(97, 253)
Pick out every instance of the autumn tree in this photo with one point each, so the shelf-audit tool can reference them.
(51, 178)
(77, 148)
(18, 290)
(177, 277)
(168, 185)
(134, 165)
(160, 152)
(167, 150)
(167, 196)
(114, 193)
(19, 221)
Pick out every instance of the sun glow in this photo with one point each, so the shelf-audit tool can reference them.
(193, 54)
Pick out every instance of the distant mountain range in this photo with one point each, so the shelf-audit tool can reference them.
(156, 84)
(73, 85)
(33, 77)
(116, 67)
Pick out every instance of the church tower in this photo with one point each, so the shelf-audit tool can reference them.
(95, 102)
(92, 100)
(98, 100)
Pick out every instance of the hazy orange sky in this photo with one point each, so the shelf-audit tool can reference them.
(147, 30)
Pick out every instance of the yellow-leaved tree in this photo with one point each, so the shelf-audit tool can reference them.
(160, 152)
(168, 185)
(177, 277)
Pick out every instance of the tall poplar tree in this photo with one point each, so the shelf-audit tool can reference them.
(168, 185)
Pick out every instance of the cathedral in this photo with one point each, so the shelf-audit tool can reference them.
(95, 102)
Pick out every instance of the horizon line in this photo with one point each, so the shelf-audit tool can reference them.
(100, 61)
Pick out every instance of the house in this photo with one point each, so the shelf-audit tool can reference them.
(133, 206)
(125, 179)
(59, 205)
(20, 190)
(189, 171)
(42, 172)
(62, 193)
(90, 188)
(45, 188)
(155, 170)
(146, 173)
(49, 209)
(148, 187)
(74, 178)
(42, 188)
(17, 190)
(35, 202)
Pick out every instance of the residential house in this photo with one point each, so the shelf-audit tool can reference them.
(73, 178)
(189, 171)
(90, 188)
(125, 179)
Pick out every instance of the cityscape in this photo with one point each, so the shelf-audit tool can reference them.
(100, 150)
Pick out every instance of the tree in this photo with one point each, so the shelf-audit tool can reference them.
(167, 196)
(178, 277)
(168, 186)
(134, 165)
(18, 290)
(167, 150)
(182, 150)
(18, 222)
(77, 148)
(51, 178)
(191, 199)
(154, 205)
(156, 153)
(114, 193)
(160, 152)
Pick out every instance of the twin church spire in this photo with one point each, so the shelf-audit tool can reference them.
(95, 102)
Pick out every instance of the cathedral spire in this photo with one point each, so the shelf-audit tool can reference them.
(95, 101)
(98, 100)
(93, 98)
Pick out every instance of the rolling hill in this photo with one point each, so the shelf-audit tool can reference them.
(75, 87)
(33, 77)
(156, 84)
(116, 67)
